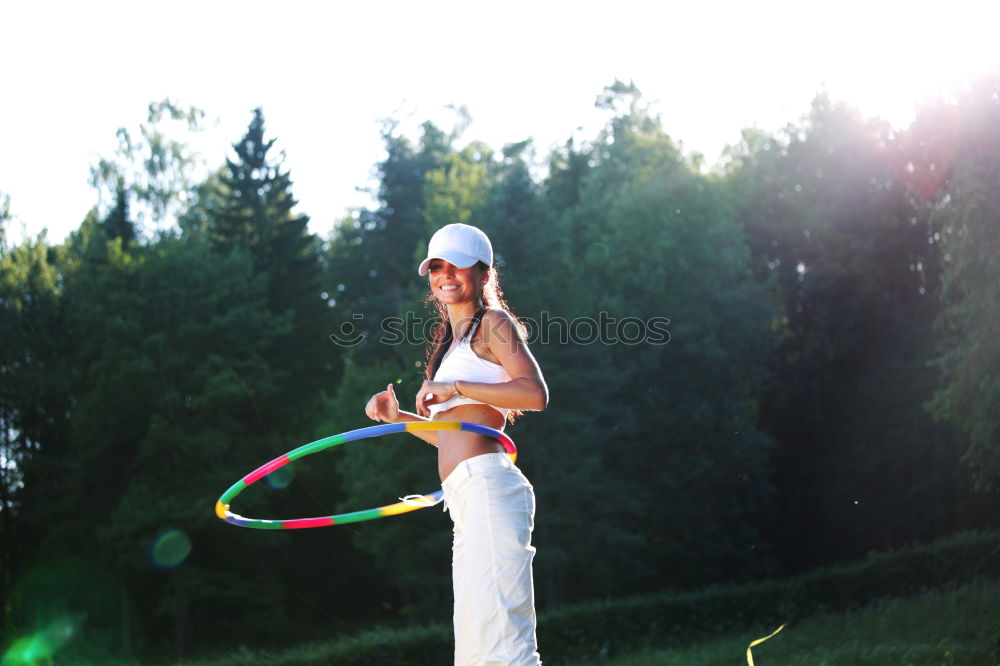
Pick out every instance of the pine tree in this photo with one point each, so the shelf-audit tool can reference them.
(255, 212)
(118, 224)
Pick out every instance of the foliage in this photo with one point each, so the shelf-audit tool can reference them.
(835, 230)
(371, 271)
(605, 629)
(967, 224)
(953, 626)
(152, 171)
(33, 386)
(651, 240)
(738, 362)
(254, 212)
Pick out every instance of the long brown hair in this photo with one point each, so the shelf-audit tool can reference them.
(491, 296)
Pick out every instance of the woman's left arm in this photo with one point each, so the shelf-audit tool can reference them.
(526, 389)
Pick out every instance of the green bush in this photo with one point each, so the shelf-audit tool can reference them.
(674, 619)
(379, 647)
(603, 629)
(954, 625)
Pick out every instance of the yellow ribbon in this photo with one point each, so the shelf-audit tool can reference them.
(758, 642)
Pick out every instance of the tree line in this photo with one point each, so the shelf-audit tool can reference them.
(811, 371)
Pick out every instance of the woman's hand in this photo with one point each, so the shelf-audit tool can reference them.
(383, 406)
(433, 393)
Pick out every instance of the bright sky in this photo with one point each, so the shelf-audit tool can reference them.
(326, 72)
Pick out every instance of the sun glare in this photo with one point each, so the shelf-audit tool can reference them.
(899, 55)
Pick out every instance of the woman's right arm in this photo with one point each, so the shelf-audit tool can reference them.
(385, 407)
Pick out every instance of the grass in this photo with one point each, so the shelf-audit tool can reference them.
(958, 626)
(955, 625)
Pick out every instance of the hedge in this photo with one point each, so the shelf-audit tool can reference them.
(669, 620)
(612, 627)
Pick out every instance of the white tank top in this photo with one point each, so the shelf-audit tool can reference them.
(461, 363)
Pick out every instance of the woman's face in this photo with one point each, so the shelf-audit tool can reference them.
(451, 284)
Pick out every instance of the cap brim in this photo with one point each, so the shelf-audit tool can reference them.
(456, 258)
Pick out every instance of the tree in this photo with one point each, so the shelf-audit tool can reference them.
(152, 173)
(175, 372)
(202, 356)
(4, 218)
(967, 229)
(834, 231)
(372, 256)
(33, 400)
(256, 213)
(160, 389)
(647, 241)
(118, 224)
(371, 271)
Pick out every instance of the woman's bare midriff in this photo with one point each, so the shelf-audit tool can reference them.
(454, 446)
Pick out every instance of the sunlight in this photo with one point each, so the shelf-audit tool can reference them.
(898, 55)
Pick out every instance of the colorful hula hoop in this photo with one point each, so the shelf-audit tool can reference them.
(405, 506)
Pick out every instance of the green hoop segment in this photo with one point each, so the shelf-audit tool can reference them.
(405, 506)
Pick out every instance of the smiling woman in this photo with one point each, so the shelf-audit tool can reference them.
(479, 371)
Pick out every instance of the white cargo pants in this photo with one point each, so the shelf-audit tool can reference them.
(493, 508)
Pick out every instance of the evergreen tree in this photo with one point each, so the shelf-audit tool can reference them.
(118, 224)
(962, 144)
(254, 212)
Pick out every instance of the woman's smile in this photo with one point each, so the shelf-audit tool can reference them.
(450, 281)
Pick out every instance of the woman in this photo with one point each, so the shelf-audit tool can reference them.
(479, 370)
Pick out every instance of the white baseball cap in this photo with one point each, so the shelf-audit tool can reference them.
(459, 244)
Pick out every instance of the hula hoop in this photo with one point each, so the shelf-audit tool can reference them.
(404, 506)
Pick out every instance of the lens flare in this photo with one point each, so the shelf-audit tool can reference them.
(169, 549)
(543, 286)
(280, 478)
(40, 646)
(596, 254)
